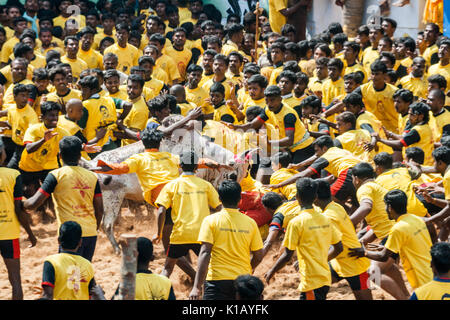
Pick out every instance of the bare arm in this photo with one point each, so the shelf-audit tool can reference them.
(98, 209)
(335, 250)
(360, 214)
(203, 261)
(294, 178)
(24, 221)
(35, 201)
(281, 262)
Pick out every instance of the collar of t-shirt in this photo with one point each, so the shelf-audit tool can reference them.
(95, 96)
(70, 252)
(187, 173)
(144, 271)
(290, 95)
(219, 105)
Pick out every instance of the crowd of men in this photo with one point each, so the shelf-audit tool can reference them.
(349, 138)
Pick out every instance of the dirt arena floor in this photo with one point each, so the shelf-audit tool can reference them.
(107, 264)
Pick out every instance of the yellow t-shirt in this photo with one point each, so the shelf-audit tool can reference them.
(20, 120)
(426, 143)
(354, 68)
(438, 122)
(446, 184)
(444, 71)
(343, 264)
(354, 141)
(381, 104)
(93, 59)
(152, 88)
(151, 286)
(102, 113)
(8, 48)
(190, 198)
(73, 190)
(437, 289)
(276, 19)
(377, 218)
(8, 97)
(196, 96)
(100, 36)
(311, 233)
(137, 117)
(168, 64)
(409, 238)
(233, 236)
(60, 21)
(9, 223)
(128, 57)
(249, 102)
(418, 86)
(224, 110)
(181, 58)
(399, 178)
(332, 89)
(62, 100)
(77, 65)
(338, 160)
(281, 175)
(153, 168)
(46, 157)
(73, 273)
(39, 61)
(289, 210)
(428, 53)
(369, 55)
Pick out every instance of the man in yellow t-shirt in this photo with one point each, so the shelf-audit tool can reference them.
(67, 275)
(439, 287)
(12, 218)
(127, 54)
(279, 12)
(190, 199)
(93, 59)
(71, 44)
(194, 93)
(315, 239)
(231, 246)
(178, 52)
(84, 205)
(63, 93)
(354, 271)
(408, 238)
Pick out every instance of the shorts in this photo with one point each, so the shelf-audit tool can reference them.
(219, 290)
(10, 249)
(316, 294)
(33, 177)
(87, 248)
(343, 187)
(431, 208)
(13, 163)
(301, 155)
(358, 282)
(176, 251)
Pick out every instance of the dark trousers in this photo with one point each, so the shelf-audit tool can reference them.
(15, 158)
(219, 290)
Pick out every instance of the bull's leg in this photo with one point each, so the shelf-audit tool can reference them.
(112, 202)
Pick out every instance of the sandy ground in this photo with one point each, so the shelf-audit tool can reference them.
(107, 264)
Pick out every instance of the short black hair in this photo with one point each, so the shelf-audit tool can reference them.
(18, 88)
(323, 189)
(384, 159)
(272, 200)
(272, 91)
(69, 235)
(404, 94)
(258, 79)
(144, 249)
(158, 103)
(378, 66)
(283, 158)
(440, 256)
(253, 111)
(445, 141)
(288, 75)
(248, 287)
(416, 154)
(151, 138)
(306, 190)
(21, 49)
(48, 106)
(70, 148)
(217, 87)
(354, 99)
(397, 199)
(439, 80)
(335, 28)
(111, 73)
(347, 117)
(229, 193)
(324, 141)
(194, 68)
(363, 170)
(188, 161)
(421, 108)
(442, 154)
(157, 37)
(86, 30)
(311, 101)
(40, 74)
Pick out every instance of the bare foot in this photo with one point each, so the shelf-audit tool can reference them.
(401, 3)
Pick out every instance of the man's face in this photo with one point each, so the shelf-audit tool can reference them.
(208, 63)
(112, 84)
(110, 63)
(349, 53)
(216, 98)
(122, 36)
(286, 86)
(41, 85)
(351, 108)
(108, 24)
(342, 126)
(319, 151)
(18, 71)
(321, 71)
(69, 76)
(60, 82)
(134, 90)
(444, 51)
(86, 41)
(213, 46)
(387, 27)
(29, 41)
(196, 7)
(255, 91)
(21, 26)
(400, 105)
(219, 67)
(209, 30)
(45, 24)
(413, 118)
(21, 99)
(160, 9)
(400, 50)
(362, 39)
(300, 87)
(234, 64)
(123, 18)
(13, 12)
(384, 46)
(350, 85)
(375, 36)
(147, 66)
(152, 26)
(418, 68)
(277, 55)
(307, 111)
(273, 103)
(72, 47)
(46, 38)
(429, 34)
(333, 72)
(174, 19)
(50, 119)
(318, 53)
(194, 77)
(92, 21)
(164, 113)
(378, 76)
(433, 102)
(32, 5)
(179, 39)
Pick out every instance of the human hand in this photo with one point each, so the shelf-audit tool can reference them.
(49, 134)
(92, 148)
(195, 294)
(194, 113)
(356, 252)
(156, 239)
(32, 240)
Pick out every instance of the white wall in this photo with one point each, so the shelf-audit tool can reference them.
(409, 18)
